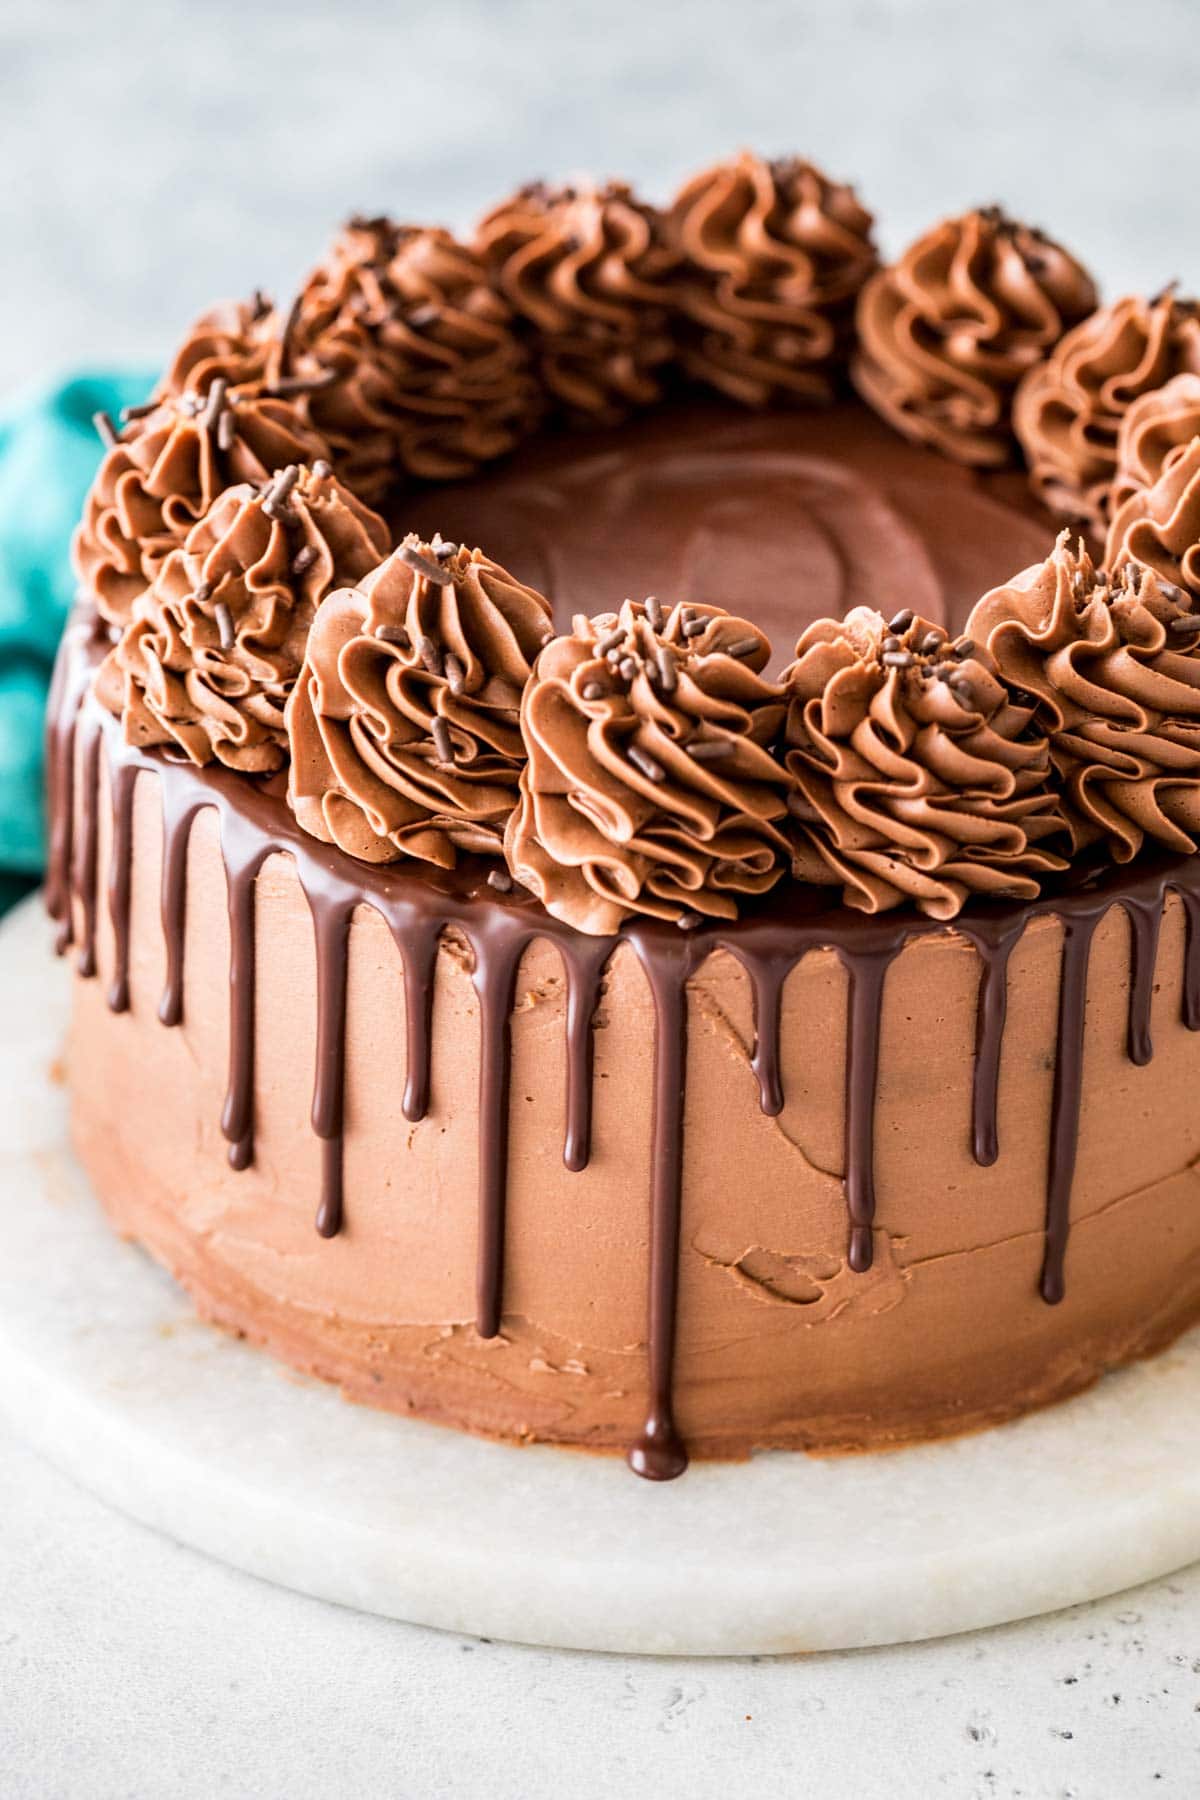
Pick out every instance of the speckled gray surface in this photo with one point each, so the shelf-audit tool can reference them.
(159, 155)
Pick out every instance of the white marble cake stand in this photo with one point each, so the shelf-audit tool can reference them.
(104, 1369)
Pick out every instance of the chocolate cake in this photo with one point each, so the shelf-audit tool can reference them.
(624, 797)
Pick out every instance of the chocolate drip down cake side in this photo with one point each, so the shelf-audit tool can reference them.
(624, 798)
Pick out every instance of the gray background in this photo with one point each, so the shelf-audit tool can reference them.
(156, 157)
(159, 156)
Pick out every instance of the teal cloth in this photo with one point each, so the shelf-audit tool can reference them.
(49, 452)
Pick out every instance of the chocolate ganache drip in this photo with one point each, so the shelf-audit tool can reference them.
(1114, 661)
(404, 724)
(1157, 428)
(412, 355)
(774, 254)
(919, 775)
(651, 787)
(214, 646)
(165, 470)
(946, 333)
(589, 272)
(1159, 526)
(1068, 412)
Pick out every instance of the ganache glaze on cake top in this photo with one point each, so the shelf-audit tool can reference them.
(787, 519)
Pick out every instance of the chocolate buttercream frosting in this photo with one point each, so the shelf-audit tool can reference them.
(1159, 526)
(1069, 411)
(404, 724)
(1157, 427)
(1114, 662)
(412, 355)
(651, 787)
(919, 775)
(774, 254)
(589, 271)
(946, 333)
(166, 470)
(236, 341)
(214, 646)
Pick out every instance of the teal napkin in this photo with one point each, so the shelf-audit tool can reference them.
(49, 452)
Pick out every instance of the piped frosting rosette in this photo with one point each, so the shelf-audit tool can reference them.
(651, 787)
(214, 646)
(164, 470)
(919, 775)
(1114, 662)
(946, 333)
(588, 271)
(774, 254)
(1159, 526)
(404, 724)
(416, 368)
(1069, 411)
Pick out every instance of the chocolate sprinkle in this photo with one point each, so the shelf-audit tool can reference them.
(593, 690)
(654, 612)
(610, 640)
(710, 749)
(694, 627)
(668, 675)
(424, 565)
(303, 559)
(394, 634)
(902, 620)
(443, 744)
(130, 413)
(897, 659)
(501, 880)
(430, 655)
(455, 675)
(224, 621)
(743, 647)
(105, 429)
(645, 763)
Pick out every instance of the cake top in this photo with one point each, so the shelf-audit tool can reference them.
(641, 762)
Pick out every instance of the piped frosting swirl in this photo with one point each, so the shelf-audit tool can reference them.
(1157, 428)
(946, 333)
(589, 272)
(774, 254)
(651, 787)
(214, 646)
(1069, 411)
(404, 724)
(1114, 661)
(1159, 526)
(165, 471)
(919, 775)
(415, 365)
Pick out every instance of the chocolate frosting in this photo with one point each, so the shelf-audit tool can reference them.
(774, 254)
(236, 341)
(426, 368)
(1113, 660)
(919, 775)
(404, 724)
(166, 470)
(1159, 526)
(1157, 427)
(215, 644)
(650, 786)
(946, 333)
(1069, 411)
(589, 271)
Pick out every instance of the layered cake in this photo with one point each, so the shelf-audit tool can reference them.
(623, 799)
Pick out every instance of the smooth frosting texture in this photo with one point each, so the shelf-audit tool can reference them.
(1069, 411)
(650, 786)
(1113, 661)
(774, 254)
(1159, 526)
(404, 724)
(236, 341)
(412, 354)
(168, 468)
(214, 646)
(589, 272)
(919, 776)
(1157, 426)
(946, 333)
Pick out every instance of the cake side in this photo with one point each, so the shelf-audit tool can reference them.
(778, 1339)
